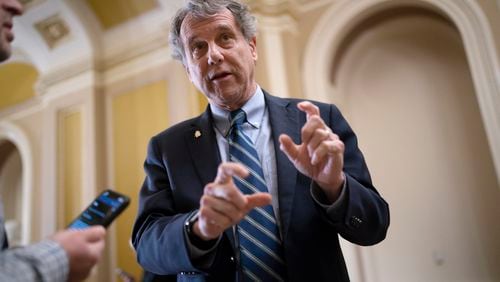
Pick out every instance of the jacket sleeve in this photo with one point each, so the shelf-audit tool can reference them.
(158, 233)
(363, 217)
(43, 261)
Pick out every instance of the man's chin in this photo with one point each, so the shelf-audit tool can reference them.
(228, 101)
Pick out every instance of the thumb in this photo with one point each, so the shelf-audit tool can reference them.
(94, 234)
(258, 200)
(227, 170)
(95, 248)
(287, 146)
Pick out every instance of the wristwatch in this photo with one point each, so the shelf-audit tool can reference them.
(189, 225)
(193, 238)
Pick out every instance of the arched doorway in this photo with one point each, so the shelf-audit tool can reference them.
(16, 180)
(404, 83)
(403, 79)
(11, 190)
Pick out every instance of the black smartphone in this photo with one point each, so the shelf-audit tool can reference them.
(102, 211)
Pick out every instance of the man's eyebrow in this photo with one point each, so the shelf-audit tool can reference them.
(223, 27)
(218, 28)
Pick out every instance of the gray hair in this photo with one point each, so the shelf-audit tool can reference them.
(202, 9)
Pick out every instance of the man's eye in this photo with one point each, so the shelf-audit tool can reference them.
(225, 37)
(196, 47)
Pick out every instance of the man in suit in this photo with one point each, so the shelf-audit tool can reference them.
(193, 213)
(68, 255)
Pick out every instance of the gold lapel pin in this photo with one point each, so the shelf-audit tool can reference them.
(197, 134)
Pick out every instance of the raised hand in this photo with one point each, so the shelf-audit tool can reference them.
(321, 153)
(223, 205)
(84, 249)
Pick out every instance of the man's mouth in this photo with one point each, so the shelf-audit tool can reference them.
(219, 76)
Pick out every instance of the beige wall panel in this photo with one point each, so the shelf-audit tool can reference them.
(406, 88)
(136, 117)
(70, 168)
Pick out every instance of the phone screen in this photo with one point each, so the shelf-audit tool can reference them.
(102, 211)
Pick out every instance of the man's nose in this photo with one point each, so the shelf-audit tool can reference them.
(215, 56)
(13, 6)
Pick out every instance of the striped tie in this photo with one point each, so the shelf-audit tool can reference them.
(260, 244)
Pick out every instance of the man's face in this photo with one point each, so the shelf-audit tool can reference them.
(8, 9)
(219, 60)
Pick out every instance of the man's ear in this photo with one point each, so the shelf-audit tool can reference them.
(253, 47)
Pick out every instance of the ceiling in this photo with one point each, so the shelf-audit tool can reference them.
(54, 36)
(54, 33)
(114, 12)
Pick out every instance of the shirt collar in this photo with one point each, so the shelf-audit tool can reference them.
(254, 109)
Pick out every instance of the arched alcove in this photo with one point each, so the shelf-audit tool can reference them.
(340, 19)
(404, 83)
(16, 180)
(406, 77)
(11, 190)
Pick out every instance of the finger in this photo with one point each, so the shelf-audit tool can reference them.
(310, 127)
(258, 200)
(327, 148)
(95, 250)
(317, 137)
(224, 208)
(94, 233)
(207, 225)
(227, 170)
(288, 147)
(309, 108)
(228, 192)
(211, 218)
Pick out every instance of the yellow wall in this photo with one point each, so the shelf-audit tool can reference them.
(17, 81)
(113, 12)
(70, 167)
(137, 116)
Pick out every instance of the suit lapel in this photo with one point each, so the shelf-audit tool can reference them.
(284, 120)
(202, 144)
(204, 151)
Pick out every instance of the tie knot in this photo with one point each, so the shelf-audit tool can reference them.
(238, 117)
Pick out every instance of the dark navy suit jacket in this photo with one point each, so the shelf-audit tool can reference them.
(179, 164)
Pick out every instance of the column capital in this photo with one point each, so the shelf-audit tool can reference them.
(284, 22)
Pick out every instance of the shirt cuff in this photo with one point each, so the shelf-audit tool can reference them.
(320, 198)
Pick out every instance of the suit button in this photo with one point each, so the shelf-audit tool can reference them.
(355, 221)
